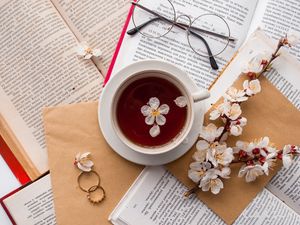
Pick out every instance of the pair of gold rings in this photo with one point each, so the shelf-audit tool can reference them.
(95, 193)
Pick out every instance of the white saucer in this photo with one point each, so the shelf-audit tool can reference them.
(105, 115)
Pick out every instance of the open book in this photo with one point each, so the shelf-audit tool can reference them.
(243, 16)
(39, 66)
(157, 197)
(32, 204)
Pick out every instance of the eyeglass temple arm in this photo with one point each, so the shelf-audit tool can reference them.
(212, 60)
(137, 28)
(141, 26)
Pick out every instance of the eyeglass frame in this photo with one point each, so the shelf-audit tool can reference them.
(182, 26)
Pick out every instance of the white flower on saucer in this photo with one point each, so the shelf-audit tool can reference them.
(256, 64)
(83, 49)
(220, 154)
(181, 101)
(251, 172)
(154, 114)
(211, 180)
(293, 38)
(252, 87)
(236, 126)
(235, 95)
(197, 170)
(83, 162)
(288, 153)
(211, 132)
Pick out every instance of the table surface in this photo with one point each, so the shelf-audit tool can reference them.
(8, 183)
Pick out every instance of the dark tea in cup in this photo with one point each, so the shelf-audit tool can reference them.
(151, 111)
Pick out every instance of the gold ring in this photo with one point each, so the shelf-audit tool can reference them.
(87, 173)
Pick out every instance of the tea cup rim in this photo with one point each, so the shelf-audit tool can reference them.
(173, 73)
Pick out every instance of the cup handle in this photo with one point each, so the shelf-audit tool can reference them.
(200, 95)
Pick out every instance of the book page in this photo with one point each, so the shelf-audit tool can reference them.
(98, 22)
(286, 185)
(39, 68)
(277, 18)
(174, 46)
(157, 198)
(33, 204)
(283, 75)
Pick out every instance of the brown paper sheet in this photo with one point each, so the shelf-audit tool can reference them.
(72, 129)
(270, 114)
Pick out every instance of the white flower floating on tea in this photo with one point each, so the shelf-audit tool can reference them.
(84, 50)
(213, 157)
(83, 162)
(154, 114)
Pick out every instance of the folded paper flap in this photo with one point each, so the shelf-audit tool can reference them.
(72, 129)
(270, 114)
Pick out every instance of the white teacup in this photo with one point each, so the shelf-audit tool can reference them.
(167, 72)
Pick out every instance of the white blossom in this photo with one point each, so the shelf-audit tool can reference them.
(198, 170)
(255, 65)
(236, 126)
(288, 154)
(211, 181)
(234, 112)
(293, 38)
(220, 154)
(235, 95)
(154, 114)
(270, 160)
(211, 132)
(83, 49)
(83, 162)
(253, 87)
(251, 172)
(220, 110)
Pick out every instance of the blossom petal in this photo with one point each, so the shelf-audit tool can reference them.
(149, 120)
(198, 166)
(194, 176)
(181, 101)
(164, 109)
(160, 120)
(87, 163)
(154, 103)
(146, 110)
(287, 161)
(154, 131)
(97, 52)
(215, 114)
(83, 168)
(202, 145)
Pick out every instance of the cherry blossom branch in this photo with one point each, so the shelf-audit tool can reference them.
(213, 157)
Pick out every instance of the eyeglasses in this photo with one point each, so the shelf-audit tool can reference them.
(208, 35)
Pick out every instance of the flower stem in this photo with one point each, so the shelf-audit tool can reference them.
(274, 56)
(191, 191)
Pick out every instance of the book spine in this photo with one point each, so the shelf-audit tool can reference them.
(13, 163)
(114, 58)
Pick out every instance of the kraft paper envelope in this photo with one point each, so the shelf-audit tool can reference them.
(270, 114)
(72, 129)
